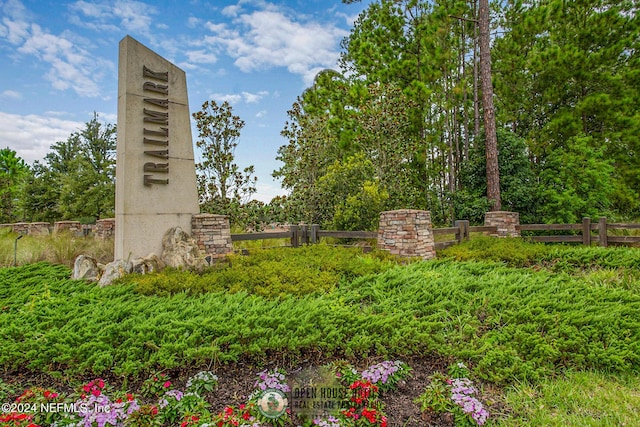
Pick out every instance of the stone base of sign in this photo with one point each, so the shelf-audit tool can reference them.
(506, 222)
(407, 233)
(213, 234)
(144, 229)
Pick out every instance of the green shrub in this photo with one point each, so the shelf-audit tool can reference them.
(513, 251)
(275, 272)
(507, 323)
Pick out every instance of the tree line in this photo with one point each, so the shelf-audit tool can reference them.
(401, 124)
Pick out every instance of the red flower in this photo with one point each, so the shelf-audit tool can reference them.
(228, 411)
(167, 384)
(154, 410)
(50, 395)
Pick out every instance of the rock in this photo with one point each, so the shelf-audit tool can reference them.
(114, 270)
(149, 264)
(86, 268)
(179, 250)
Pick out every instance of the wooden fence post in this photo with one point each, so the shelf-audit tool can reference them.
(586, 231)
(294, 236)
(463, 230)
(304, 234)
(314, 234)
(602, 232)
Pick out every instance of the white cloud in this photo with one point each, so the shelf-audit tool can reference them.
(232, 10)
(132, 16)
(230, 98)
(193, 22)
(254, 98)
(201, 57)
(261, 114)
(31, 136)
(71, 66)
(270, 38)
(236, 98)
(11, 94)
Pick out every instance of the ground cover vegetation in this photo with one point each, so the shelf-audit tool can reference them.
(526, 325)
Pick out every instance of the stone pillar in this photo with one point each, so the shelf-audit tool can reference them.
(506, 222)
(213, 234)
(105, 228)
(74, 227)
(407, 233)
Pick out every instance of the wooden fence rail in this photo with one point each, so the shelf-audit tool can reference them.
(305, 234)
(586, 236)
(581, 233)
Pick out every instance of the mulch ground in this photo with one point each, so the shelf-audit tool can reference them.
(236, 382)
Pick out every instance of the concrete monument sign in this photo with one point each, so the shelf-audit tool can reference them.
(155, 168)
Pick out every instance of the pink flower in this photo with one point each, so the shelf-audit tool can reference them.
(167, 384)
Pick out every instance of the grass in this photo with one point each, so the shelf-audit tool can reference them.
(584, 398)
(61, 248)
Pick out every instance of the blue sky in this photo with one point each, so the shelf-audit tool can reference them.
(59, 64)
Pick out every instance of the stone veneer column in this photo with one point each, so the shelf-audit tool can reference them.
(407, 233)
(507, 223)
(213, 234)
(105, 228)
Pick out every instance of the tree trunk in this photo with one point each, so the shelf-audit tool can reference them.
(491, 141)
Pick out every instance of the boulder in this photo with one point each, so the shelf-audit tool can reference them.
(114, 270)
(86, 268)
(149, 264)
(180, 250)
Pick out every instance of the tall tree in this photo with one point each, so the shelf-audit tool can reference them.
(567, 73)
(491, 140)
(13, 170)
(425, 49)
(77, 179)
(88, 192)
(223, 187)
